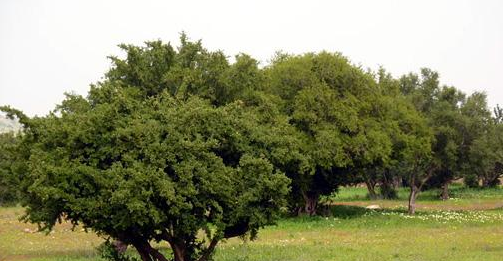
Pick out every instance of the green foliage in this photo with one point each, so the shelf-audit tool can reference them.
(190, 69)
(410, 136)
(155, 169)
(336, 107)
(140, 160)
(486, 155)
(107, 251)
(455, 122)
(9, 169)
(174, 142)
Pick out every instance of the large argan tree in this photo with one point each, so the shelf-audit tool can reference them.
(143, 159)
(161, 169)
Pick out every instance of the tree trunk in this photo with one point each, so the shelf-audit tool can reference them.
(387, 191)
(145, 256)
(490, 180)
(178, 251)
(120, 246)
(310, 203)
(485, 181)
(371, 189)
(148, 253)
(387, 187)
(445, 191)
(412, 199)
(207, 253)
(397, 182)
(416, 184)
(413, 194)
(157, 255)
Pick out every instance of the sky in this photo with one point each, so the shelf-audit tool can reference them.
(51, 47)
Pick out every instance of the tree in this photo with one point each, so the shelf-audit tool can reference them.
(160, 169)
(486, 155)
(331, 103)
(420, 161)
(393, 112)
(446, 121)
(143, 159)
(411, 156)
(456, 122)
(477, 124)
(192, 70)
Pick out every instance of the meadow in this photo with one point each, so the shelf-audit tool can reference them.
(468, 226)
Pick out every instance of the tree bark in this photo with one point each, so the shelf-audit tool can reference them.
(207, 253)
(177, 245)
(397, 182)
(413, 194)
(310, 203)
(179, 251)
(371, 189)
(415, 189)
(145, 256)
(490, 180)
(387, 186)
(412, 199)
(148, 253)
(157, 255)
(445, 191)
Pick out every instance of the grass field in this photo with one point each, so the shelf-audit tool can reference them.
(467, 227)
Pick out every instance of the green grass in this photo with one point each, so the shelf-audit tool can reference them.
(456, 191)
(468, 227)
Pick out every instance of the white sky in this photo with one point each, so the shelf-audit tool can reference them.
(51, 47)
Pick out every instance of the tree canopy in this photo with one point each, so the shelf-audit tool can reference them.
(180, 145)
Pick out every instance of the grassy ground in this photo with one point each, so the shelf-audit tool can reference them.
(467, 227)
(461, 198)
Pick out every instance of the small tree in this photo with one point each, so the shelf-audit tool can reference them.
(447, 123)
(411, 157)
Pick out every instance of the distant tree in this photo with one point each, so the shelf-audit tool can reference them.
(486, 153)
(411, 156)
(394, 112)
(487, 157)
(477, 124)
(456, 122)
(447, 123)
(438, 106)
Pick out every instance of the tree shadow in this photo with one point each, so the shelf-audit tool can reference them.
(79, 254)
(346, 211)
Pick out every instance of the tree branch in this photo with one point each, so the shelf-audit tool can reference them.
(209, 250)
